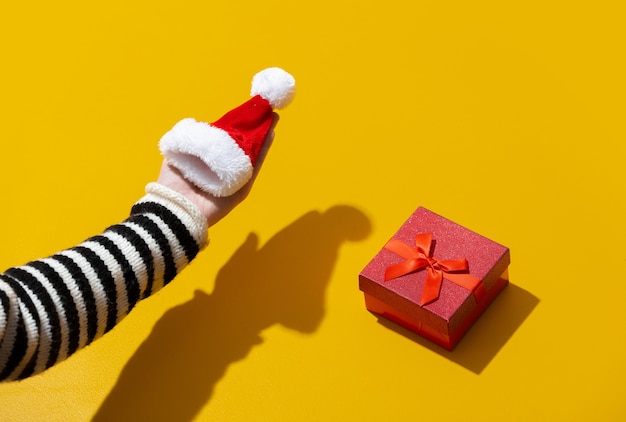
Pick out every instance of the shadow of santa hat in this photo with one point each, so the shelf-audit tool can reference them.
(219, 157)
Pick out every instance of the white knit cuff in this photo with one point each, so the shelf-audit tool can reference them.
(187, 211)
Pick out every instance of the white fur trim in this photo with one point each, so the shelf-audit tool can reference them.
(207, 156)
(275, 85)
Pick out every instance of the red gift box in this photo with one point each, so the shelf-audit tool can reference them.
(435, 277)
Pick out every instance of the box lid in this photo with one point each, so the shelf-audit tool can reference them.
(487, 261)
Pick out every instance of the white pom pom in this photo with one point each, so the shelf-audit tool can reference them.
(275, 85)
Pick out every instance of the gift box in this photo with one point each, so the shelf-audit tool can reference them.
(435, 277)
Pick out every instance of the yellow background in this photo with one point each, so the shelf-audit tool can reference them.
(506, 117)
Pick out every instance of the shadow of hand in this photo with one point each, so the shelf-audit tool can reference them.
(174, 371)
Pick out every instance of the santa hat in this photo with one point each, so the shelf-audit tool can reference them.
(219, 157)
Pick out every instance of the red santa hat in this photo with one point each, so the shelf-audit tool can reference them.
(219, 157)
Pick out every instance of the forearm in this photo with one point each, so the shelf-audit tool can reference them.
(55, 306)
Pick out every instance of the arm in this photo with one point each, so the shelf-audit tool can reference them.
(55, 306)
(52, 307)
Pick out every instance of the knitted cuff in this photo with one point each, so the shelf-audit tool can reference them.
(186, 210)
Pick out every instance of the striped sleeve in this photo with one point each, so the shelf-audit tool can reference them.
(52, 307)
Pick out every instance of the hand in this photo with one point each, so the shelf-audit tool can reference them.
(214, 208)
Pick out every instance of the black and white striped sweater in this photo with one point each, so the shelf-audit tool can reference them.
(53, 307)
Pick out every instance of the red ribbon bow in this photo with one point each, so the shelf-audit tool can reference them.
(419, 257)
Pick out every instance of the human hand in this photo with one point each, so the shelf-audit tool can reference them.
(212, 207)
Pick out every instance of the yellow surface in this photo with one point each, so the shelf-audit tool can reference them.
(507, 117)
